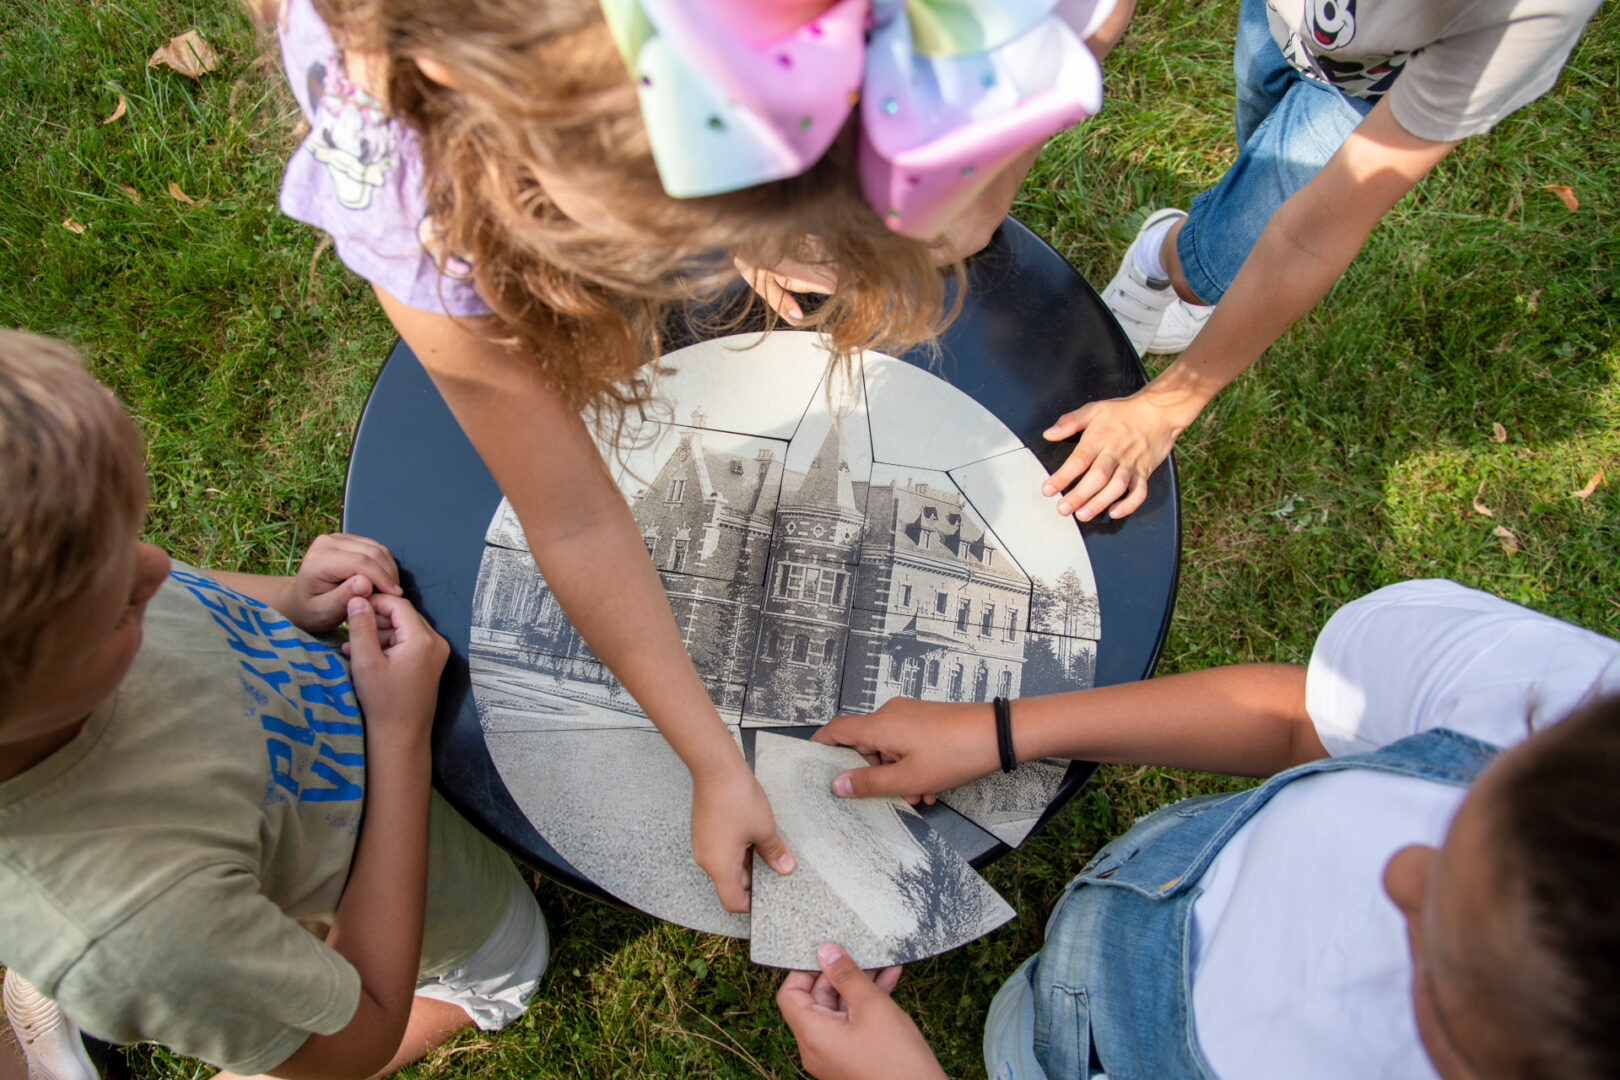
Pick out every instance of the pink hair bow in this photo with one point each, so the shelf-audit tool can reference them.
(740, 92)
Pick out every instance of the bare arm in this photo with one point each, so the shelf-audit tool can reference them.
(586, 543)
(1303, 250)
(1244, 720)
(378, 923)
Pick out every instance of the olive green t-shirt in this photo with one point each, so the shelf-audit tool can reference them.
(169, 873)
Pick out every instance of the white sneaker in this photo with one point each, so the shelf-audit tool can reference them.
(1137, 302)
(1180, 325)
(49, 1040)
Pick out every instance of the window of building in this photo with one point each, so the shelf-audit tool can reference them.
(962, 607)
(909, 676)
(926, 540)
(838, 588)
(829, 652)
(955, 688)
(677, 556)
(1012, 624)
(651, 540)
(772, 644)
(810, 583)
(941, 603)
(905, 595)
(988, 555)
(981, 683)
(1004, 684)
(801, 649)
(677, 491)
(987, 620)
(894, 668)
(933, 673)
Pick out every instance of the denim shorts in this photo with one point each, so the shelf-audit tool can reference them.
(1288, 125)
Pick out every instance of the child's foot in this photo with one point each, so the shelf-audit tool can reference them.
(1180, 325)
(1140, 291)
(50, 1041)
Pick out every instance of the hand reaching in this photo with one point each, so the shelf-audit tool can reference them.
(1123, 441)
(336, 568)
(917, 748)
(847, 1026)
(730, 815)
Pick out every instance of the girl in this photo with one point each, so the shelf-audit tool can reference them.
(1245, 934)
(487, 167)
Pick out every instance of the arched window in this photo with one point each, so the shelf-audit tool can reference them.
(981, 682)
(909, 677)
(772, 644)
(956, 682)
(933, 673)
(801, 648)
(1004, 684)
(894, 667)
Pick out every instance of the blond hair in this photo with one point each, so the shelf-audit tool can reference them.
(540, 89)
(72, 485)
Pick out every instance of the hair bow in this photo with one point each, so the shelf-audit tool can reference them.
(740, 92)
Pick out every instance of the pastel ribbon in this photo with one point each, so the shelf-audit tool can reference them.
(741, 92)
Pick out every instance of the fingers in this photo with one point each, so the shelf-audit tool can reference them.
(853, 984)
(350, 555)
(1070, 423)
(875, 780)
(824, 994)
(774, 851)
(888, 978)
(783, 302)
(363, 646)
(731, 887)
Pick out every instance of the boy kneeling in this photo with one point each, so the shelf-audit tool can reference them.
(222, 835)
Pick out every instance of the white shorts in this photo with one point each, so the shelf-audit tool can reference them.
(495, 984)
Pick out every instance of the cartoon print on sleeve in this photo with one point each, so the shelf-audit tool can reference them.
(1332, 27)
(351, 134)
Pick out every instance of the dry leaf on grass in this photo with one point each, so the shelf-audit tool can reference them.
(1591, 486)
(134, 196)
(1498, 433)
(1479, 507)
(186, 53)
(1510, 543)
(72, 226)
(181, 196)
(119, 110)
(1565, 192)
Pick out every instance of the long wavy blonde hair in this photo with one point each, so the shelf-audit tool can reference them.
(537, 88)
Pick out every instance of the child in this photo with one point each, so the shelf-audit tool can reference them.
(1243, 935)
(486, 165)
(1342, 107)
(183, 768)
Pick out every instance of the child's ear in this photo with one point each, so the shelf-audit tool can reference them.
(436, 71)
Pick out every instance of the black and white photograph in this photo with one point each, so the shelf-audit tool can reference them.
(921, 420)
(617, 805)
(872, 875)
(1007, 805)
(1005, 492)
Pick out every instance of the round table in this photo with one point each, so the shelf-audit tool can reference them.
(1033, 340)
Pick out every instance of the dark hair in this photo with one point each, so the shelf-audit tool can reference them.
(1557, 824)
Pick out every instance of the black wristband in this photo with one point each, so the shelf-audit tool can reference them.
(1004, 744)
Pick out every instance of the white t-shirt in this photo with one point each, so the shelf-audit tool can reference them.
(1451, 68)
(1299, 960)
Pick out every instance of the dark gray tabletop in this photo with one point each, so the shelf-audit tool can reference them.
(1033, 341)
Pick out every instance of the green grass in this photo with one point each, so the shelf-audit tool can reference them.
(1348, 458)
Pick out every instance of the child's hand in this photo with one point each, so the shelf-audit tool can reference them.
(1124, 440)
(916, 748)
(778, 283)
(848, 1027)
(397, 683)
(336, 568)
(730, 813)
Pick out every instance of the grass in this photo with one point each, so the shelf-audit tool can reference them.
(1351, 456)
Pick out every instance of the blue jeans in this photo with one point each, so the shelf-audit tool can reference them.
(1288, 126)
(1111, 991)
